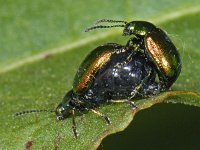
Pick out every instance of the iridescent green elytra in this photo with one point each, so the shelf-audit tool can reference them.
(88, 68)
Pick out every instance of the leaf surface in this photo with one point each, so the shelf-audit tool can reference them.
(42, 45)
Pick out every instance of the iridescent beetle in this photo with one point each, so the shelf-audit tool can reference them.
(148, 64)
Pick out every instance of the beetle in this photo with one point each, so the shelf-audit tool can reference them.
(146, 65)
(158, 47)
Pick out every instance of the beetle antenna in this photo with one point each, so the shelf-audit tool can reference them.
(32, 111)
(100, 26)
(110, 21)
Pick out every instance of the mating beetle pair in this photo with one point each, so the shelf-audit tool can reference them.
(146, 65)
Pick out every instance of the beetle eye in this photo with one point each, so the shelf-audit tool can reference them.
(129, 29)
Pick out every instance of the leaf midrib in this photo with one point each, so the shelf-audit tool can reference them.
(81, 42)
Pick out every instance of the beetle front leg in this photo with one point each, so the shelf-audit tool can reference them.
(74, 124)
(135, 43)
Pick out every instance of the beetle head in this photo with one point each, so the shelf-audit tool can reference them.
(63, 111)
(129, 29)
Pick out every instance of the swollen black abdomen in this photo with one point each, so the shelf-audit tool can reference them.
(118, 78)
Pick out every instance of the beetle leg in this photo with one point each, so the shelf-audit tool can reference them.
(74, 124)
(135, 43)
(131, 103)
(136, 90)
(106, 118)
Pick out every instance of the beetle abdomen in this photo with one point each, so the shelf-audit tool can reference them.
(119, 78)
(90, 66)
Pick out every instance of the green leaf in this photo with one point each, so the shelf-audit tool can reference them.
(42, 44)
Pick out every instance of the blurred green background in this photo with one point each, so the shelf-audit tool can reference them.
(31, 31)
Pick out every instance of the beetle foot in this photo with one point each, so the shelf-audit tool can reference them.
(132, 104)
(75, 131)
(106, 118)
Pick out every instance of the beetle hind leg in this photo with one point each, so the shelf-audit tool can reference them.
(106, 118)
(141, 85)
(131, 103)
